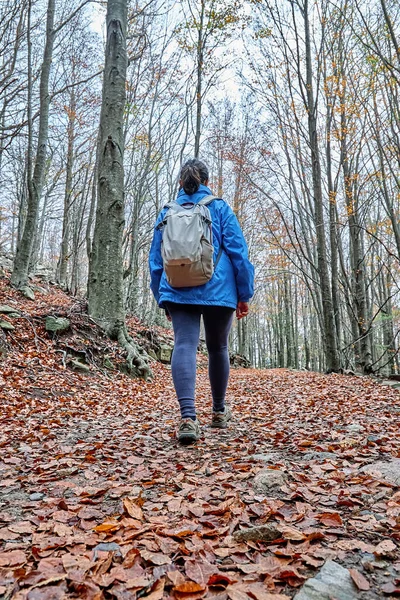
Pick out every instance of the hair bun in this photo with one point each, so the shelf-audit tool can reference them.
(193, 173)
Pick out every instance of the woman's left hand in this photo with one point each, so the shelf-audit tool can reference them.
(242, 310)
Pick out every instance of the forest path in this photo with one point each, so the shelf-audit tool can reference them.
(98, 499)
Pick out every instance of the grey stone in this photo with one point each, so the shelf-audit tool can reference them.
(272, 457)
(333, 581)
(28, 292)
(5, 309)
(43, 272)
(57, 324)
(36, 496)
(318, 456)
(267, 480)
(76, 364)
(152, 354)
(355, 427)
(6, 326)
(165, 354)
(388, 471)
(262, 533)
(391, 383)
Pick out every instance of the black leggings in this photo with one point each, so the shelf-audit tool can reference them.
(186, 324)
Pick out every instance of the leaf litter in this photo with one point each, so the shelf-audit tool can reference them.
(97, 500)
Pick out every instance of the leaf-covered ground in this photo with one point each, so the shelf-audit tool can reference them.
(97, 500)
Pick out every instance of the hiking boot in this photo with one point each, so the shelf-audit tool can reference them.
(189, 431)
(220, 419)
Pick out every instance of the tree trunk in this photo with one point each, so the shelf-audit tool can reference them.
(20, 273)
(200, 60)
(105, 284)
(64, 254)
(329, 334)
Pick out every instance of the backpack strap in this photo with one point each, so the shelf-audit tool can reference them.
(207, 200)
(204, 202)
(163, 222)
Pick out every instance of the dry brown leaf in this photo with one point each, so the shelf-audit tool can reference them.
(12, 558)
(384, 548)
(330, 519)
(22, 527)
(157, 590)
(200, 570)
(137, 583)
(156, 558)
(132, 509)
(290, 533)
(359, 579)
(236, 593)
(107, 526)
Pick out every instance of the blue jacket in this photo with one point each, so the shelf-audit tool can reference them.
(233, 277)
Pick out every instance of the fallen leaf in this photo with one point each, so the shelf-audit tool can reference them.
(200, 570)
(384, 548)
(359, 579)
(189, 587)
(107, 527)
(390, 588)
(330, 519)
(132, 509)
(13, 558)
(156, 558)
(22, 527)
(157, 590)
(290, 533)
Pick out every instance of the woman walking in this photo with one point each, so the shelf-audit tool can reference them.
(229, 288)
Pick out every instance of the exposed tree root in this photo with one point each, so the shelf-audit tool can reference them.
(136, 357)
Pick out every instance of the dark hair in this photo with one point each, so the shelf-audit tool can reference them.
(193, 173)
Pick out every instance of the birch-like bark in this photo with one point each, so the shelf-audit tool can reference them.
(105, 283)
(19, 277)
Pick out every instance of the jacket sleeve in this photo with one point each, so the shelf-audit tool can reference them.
(155, 260)
(235, 246)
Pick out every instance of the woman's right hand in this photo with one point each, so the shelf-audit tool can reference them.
(242, 310)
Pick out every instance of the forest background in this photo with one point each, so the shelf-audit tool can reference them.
(294, 105)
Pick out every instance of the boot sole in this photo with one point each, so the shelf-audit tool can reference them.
(219, 425)
(188, 439)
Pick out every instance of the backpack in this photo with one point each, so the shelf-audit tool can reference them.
(187, 243)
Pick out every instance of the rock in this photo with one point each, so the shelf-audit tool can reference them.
(36, 496)
(57, 324)
(307, 456)
(267, 480)
(165, 353)
(6, 326)
(152, 354)
(28, 292)
(43, 272)
(76, 364)
(7, 310)
(355, 427)
(333, 581)
(272, 457)
(262, 533)
(388, 471)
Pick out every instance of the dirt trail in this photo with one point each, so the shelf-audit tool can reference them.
(99, 501)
